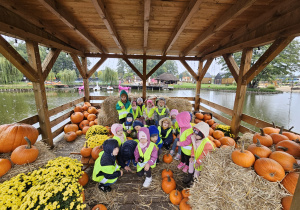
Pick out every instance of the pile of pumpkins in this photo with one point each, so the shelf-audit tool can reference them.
(168, 185)
(14, 138)
(280, 165)
(82, 119)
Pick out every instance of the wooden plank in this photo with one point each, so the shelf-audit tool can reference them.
(71, 22)
(267, 57)
(232, 65)
(16, 59)
(49, 62)
(61, 118)
(240, 91)
(95, 67)
(147, 8)
(133, 68)
(217, 116)
(98, 97)
(190, 70)
(100, 8)
(30, 120)
(296, 201)
(86, 90)
(188, 13)
(59, 130)
(217, 106)
(65, 106)
(155, 68)
(186, 98)
(144, 78)
(234, 11)
(205, 69)
(198, 87)
(244, 129)
(79, 65)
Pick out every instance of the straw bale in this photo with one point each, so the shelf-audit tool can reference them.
(44, 156)
(179, 104)
(225, 185)
(247, 138)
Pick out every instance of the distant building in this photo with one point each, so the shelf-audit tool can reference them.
(218, 79)
(207, 79)
(228, 80)
(167, 78)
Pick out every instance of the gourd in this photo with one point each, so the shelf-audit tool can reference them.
(24, 154)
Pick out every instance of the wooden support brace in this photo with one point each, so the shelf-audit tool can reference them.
(133, 68)
(79, 66)
(233, 67)
(85, 80)
(204, 70)
(96, 66)
(155, 68)
(144, 78)
(198, 87)
(187, 66)
(49, 62)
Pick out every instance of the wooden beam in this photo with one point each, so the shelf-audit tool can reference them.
(40, 92)
(238, 8)
(13, 25)
(79, 65)
(296, 201)
(71, 22)
(100, 8)
(155, 68)
(17, 60)
(240, 92)
(147, 8)
(144, 78)
(267, 57)
(133, 68)
(95, 67)
(204, 70)
(232, 65)
(85, 80)
(188, 13)
(187, 66)
(49, 62)
(198, 87)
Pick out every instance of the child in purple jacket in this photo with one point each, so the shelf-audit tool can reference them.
(145, 155)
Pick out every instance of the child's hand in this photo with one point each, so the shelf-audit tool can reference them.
(121, 172)
(197, 165)
(147, 167)
(191, 159)
(129, 131)
(122, 107)
(178, 143)
(127, 168)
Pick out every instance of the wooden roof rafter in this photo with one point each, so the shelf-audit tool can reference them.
(95, 67)
(147, 9)
(49, 62)
(190, 70)
(79, 66)
(133, 68)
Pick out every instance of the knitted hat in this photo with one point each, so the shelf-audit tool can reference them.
(150, 101)
(160, 99)
(139, 100)
(203, 128)
(137, 123)
(144, 133)
(174, 112)
(116, 127)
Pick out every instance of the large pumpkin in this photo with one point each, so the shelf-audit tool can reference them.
(269, 169)
(168, 184)
(259, 150)
(290, 182)
(286, 202)
(5, 166)
(71, 127)
(217, 134)
(183, 204)
(286, 160)
(264, 139)
(290, 147)
(76, 117)
(24, 154)
(269, 130)
(166, 172)
(70, 136)
(12, 136)
(243, 157)
(91, 117)
(277, 137)
(95, 152)
(227, 141)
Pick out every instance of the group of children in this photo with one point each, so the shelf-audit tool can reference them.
(139, 137)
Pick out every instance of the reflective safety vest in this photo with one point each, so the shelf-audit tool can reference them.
(125, 127)
(142, 110)
(105, 169)
(150, 113)
(119, 140)
(162, 112)
(175, 127)
(123, 112)
(136, 113)
(187, 150)
(167, 134)
(146, 156)
(199, 151)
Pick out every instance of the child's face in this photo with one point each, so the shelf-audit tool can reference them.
(165, 124)
(173, 116)
(120, 132)
(123, 98)
(133, 103)
(143, 140)
(154, 138)
(115, 151)
(129, 119)
(137, 128)
(139, 102)
(197, 137)
(149, 104)
(161, 103)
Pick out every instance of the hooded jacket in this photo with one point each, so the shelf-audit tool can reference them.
(126, 152)
(114, 131)
(154, 151)
(127, 104)
(169, 139)
(153, 130)
(157, 117)
(108, 159)
(183, 119)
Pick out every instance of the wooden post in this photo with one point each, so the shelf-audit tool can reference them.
(40, 92)
(296, 201)
(198, 86)
(85, 80)
(240, 91)
(144, 78)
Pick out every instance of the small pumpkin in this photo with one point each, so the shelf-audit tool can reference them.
(211, 131)
(290, 181)
(84, 179)
(286, 202)
(86, 151)
(85, 114)
(92, 110)
(82, 195)
(243, 157)
(96, 121)
(166, 172)
(78, 109)
(87, 104)
(214, 126)
(83, 124)
(91, 123)
(210, 122)
(197, 120)
(168, 184)
(217, 134)
(85, 129)
(79, 132)
(227, 141)
(167, 158)
(76, 117)
(91, 117)
(290, 147)
(217, 143)
(24, 154)
(185, 193)
(259, 150)
(290, 135)
(277, 137)
(99, 207)
(264, 139)
(95, 152)
(269, 169)
(183, 204)
(5, 166)
(206, 117)
(84, 108)
(71, 127)
(199, 116)
(175, 197)
(269, 130)
(286, 160)
(70, 136)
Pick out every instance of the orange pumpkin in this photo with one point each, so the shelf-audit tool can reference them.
(259, 150)
(85, 129)
(79, 132)
(129, 138)
(206, 117)
(24, 154)
(166, 172)
(86, 151)
(82, 195)
(99, 207)
(91, 117)
(175, 197)
(290, 182)
(78, 109)
(185, 193)
(183, 204)
(277, 137)
(85, 114)
(87, 104)
(84, 108)
(264, 139)
(91, 123)
(210, 122)
(290, 135)
(12, 136)
(70, 136)
(84, 123)
(167, 158)
(217, 134)
(286, 160)
(96, 151)
(214, 126)
(84, 179)
(168, 184)
(286, 202)
(217, 143)
(290, 147)
(70, 127)
(76, 117)
(5, 166)
(243, 157)
(227, 141)
(269, 169)
(92, 110)
(269, 130)
(96, 121)
(211, 131)
(199, 116)
(196, 121)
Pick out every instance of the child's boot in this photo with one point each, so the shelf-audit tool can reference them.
(185, 169)
(188, 178)
(107, 188)
(147, 181)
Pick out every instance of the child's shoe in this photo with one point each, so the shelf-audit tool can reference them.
(177, 157)
(107, 188)
(185, 169)
(147, 181)
(134, 163)
(181, 165)
(172, 152)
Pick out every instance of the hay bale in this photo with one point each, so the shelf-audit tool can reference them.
(44, 156)
(179, 104)
(247, 138)
(225, 185)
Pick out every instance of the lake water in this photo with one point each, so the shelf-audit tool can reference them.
(283, 109)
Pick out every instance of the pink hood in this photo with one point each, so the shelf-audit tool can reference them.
(146, 131)
(114, 128)
(183, 119)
